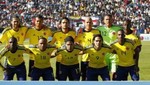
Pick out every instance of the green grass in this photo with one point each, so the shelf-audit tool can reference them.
(144, 63)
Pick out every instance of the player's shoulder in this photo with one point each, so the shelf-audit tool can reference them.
(51, 46)
(21, 47)
(130, 41)
(60, 49)
(88, 47)
(114, 42)
(78, 47)
(6, 29)
(33, 46)
(117, 27)
(3, 51)
(57, 32)
(106, 46)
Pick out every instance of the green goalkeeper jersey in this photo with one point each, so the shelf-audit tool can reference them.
(109, 34)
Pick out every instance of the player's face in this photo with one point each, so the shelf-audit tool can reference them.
(88, 23)
(64, 24)
(121, 35)
(42, 44)
(15, 23)
(69, 46)
(38, 22)
(12, 44)
(107, 20)
(125, 27)
(97, 42)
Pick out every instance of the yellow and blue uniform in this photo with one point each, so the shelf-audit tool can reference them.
(97, 64)
(15, 63)
(42, 66)
(85, 38)
(33, 35)
(58, 40)
(69, 64)
(126, 62)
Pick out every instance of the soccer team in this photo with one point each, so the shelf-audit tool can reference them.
(109, 51)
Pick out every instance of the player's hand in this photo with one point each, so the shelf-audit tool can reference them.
(136, 69)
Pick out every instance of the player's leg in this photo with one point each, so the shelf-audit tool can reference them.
(92, 74)
(31, 64)
(134, 75)
(21, 72)
(121, 73)
(35, 74)
(75, 73)
(83, 70)
(48, 74)
(58, 59)
(9, 72)
(63, 72)
(104, 73)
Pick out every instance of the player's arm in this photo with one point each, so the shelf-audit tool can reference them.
(54, 53)
(2, 53)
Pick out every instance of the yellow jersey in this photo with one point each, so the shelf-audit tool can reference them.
(14, 59)
(96, 58)
(85, 39)
(20, 35)
(42, 58)
(134, 38)
(125, 53)
(58, 38)
(69, 58)
(33, 35)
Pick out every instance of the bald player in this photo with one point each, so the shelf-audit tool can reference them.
(84, 38)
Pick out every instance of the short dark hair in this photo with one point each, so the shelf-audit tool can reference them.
(41, 37)
(110, 15)
(129, 24)
(65, 19)
(39, 16)
(97, 35)
(15, 16)
(69, 38)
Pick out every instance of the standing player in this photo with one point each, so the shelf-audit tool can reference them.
(15, 62)
(15, 30)
(134, 38)
(69, 64)
(58, 39)
(109, 34)
(97, 65)
(42, 67)
(125, 51)
(84, 38)
(33, 34)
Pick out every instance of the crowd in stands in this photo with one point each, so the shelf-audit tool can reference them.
(52, 10)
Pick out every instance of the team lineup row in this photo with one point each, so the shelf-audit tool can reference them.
(97, 58)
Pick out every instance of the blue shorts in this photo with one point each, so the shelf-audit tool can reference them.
(19, 70)
(122, 73)
(93, 73)
(71, 70)
(46, 74)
